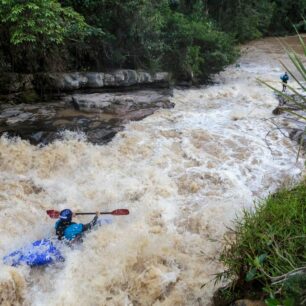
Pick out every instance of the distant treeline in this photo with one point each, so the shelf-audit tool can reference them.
(190, 38)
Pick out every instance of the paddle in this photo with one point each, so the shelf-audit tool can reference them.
(54, 214)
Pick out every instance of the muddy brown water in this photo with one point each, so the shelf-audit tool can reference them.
(184, 173)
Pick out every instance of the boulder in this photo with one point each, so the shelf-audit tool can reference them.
(60, 81)
(121, 102)
(144, 77)
(161, 77)
(95, 79)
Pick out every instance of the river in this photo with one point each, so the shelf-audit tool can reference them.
(184, 173)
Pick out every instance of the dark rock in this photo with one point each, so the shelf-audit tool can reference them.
(277, 111)
(37, 137)
(299, 136)
(60, 81)
(296, 134)
(95, 79)
(101, 135)
(74, 103)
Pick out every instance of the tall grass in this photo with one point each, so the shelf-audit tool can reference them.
(269, 251)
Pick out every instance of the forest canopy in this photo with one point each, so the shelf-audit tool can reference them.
(190, 38)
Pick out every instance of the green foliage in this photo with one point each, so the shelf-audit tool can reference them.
(132, 32)
(39, 22)
(286, 14)
(270, 248)
(174, 35)
(160, 34)
(195, 48)
(142, 34)
(30, 29)
(252, 19)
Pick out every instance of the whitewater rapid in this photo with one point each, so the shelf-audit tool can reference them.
(184, 174)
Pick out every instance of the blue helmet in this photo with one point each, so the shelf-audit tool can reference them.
(66, 215)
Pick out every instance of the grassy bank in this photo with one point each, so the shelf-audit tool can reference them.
(267, 258)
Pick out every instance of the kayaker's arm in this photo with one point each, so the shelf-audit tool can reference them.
(91, 224)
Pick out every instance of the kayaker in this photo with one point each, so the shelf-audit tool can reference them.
(69, 230)
(284, 79)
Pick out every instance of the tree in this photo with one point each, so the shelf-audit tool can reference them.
(156, 34)
(245, 19)
(31, 29)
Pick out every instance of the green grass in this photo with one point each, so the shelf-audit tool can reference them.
(268, 254)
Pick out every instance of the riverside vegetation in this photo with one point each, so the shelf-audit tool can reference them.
(190, 38)
(268, 255)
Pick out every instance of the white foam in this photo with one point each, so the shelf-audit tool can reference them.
(183, 173)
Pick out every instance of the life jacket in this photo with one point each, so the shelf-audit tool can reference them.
(285, 78)
(68, 230)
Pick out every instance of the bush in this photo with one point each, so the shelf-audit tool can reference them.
(31, 30)
(195, 49)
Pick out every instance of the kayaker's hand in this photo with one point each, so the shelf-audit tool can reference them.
(97, 213)
(75, 213)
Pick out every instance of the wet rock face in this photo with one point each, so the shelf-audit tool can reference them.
(99, 115)
(120, 103)
(89, 80)
(28, 88)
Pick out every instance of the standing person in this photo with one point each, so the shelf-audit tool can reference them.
(284, 78)
(69, 230)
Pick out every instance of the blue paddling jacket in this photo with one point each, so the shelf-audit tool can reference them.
(70, 230)
(285, 78)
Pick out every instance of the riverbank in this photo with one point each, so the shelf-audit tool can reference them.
(266, 259)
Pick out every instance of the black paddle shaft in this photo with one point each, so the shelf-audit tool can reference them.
(93, 213)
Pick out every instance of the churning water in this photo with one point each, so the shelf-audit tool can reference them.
(183, 173)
